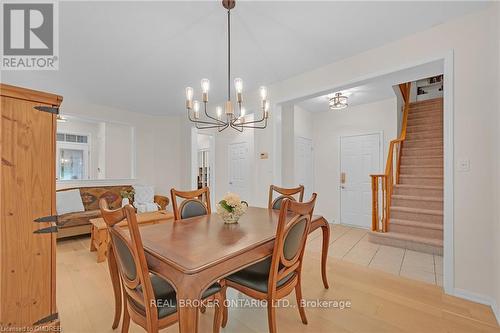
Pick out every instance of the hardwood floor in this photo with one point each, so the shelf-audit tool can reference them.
(381, 302)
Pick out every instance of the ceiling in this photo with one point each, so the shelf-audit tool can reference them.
(375, 89)
(139, 56)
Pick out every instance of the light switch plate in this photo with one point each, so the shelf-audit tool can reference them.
(464, 165)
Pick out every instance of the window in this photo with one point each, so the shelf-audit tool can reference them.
(72, 156)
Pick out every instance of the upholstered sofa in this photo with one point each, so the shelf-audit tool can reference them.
(78, 223)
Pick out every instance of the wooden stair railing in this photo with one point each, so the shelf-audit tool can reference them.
(383, 184)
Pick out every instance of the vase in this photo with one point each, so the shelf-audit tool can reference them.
(230, 218)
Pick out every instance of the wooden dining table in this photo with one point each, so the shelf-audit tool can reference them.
(196, 252)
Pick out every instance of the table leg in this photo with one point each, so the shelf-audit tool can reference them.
(102, 244)
(116, 282)
(188, 297)
(325, 228)
(92, 239)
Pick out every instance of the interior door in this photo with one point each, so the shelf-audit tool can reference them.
(27, 193)
(304, 165)
(239, 169)
(359, 157)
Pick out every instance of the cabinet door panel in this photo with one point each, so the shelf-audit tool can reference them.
(27, 187)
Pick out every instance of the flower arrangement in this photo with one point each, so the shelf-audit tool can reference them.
(127, 197)
(231, 208)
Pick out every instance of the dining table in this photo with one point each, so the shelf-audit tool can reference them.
(194, 253)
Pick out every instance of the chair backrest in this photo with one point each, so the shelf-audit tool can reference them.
(290, 193)
(130, 258)
(291, 235)
(194, 203)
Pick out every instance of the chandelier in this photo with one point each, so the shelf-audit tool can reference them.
(230, 118)
(338, 102)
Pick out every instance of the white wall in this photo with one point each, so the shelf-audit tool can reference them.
(303, 123)
(496, 231)
(473, 39)
(328, 127)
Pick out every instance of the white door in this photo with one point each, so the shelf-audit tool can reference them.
(304, 165)
(359, 157)
(239, 169)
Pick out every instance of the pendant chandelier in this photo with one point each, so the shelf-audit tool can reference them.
(230, 118)
(338, 102)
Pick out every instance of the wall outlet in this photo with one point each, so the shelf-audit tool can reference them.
(464, 165)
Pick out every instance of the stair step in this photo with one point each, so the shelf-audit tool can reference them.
(425, 122)
(417, 214)
(418, 224)
(427, 115)
(410, 242)
(412, 160)
(422, 152)
(416, 228)
(420, 202)
(437, 100)
(432, 180)
(437, 135)
(423, 143)
(418, 128)
(422, 170)
(418, 190)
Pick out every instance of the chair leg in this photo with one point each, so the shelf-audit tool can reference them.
(271, 316)
(218, 313)
(298, 296)
(224, 306)
(126, 319)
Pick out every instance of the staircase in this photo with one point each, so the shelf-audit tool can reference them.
(416, 205)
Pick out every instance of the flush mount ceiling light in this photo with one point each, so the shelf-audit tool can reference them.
(235, 120)
(338, 102)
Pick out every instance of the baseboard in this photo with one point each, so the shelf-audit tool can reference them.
(496, 311)
(478, 298)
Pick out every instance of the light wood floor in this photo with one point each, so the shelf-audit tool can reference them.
(352, 244)
(381, 302)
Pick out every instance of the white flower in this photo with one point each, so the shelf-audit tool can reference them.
(232, 199)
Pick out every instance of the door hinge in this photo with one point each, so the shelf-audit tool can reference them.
(50, 218)
(47, 230)
(47, 319)
(49, 109)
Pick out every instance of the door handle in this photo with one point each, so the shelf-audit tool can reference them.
(230, 183)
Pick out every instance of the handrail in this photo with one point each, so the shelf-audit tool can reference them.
(383, 184)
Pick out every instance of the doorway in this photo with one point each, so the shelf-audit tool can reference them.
(360, 156)
(239, 159)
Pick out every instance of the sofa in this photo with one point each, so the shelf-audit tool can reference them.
(78, 222)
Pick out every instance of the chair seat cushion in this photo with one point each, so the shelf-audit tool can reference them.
(256, 276)
(166, 296)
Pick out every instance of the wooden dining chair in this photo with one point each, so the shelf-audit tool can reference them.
(148, 299)
(195, 203)
(290, 193)
(277, 276)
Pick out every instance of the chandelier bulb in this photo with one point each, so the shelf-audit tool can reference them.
(189, 94)
(263, 93)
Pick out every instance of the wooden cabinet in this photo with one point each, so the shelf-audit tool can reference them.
(27, 206)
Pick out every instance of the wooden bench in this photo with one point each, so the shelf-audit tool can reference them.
(99, 235)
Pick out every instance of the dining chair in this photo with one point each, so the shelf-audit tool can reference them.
(148, 299)
(195, 203)
(278, 275)
(284, 193)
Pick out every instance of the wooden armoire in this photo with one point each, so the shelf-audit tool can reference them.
(27, 205)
